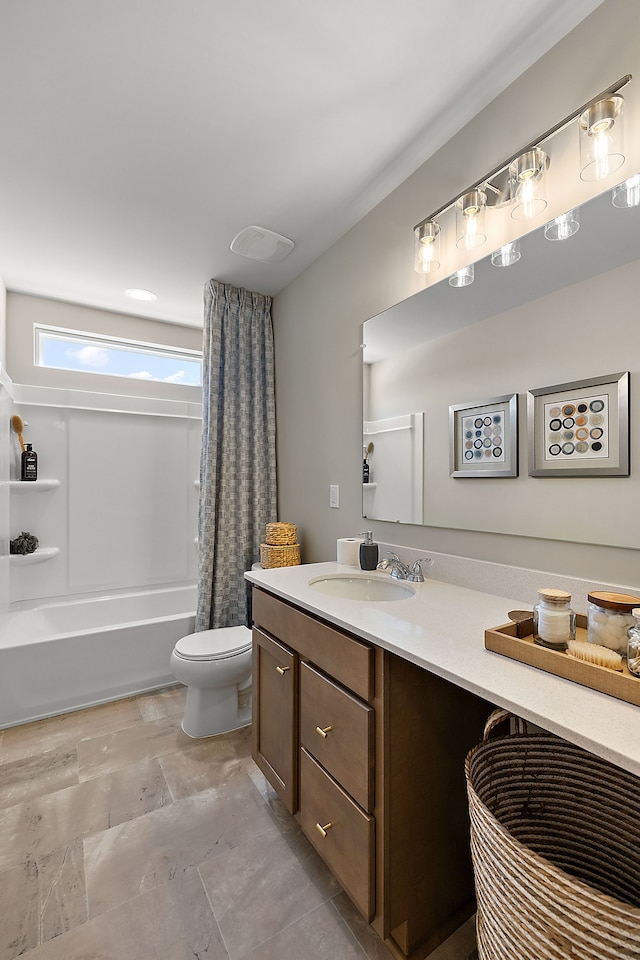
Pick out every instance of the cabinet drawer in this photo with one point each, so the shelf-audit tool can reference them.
(275, 716)
(347, 845)
(337, 729)
(348, 660)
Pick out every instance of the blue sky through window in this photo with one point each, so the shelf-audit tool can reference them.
(93, 355)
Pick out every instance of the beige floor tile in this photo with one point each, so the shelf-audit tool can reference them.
(35, 827)
(208, 763)
(114, 751)
(41, 899)
(371, 944)
(66, 730)
(141, 854)
(171, 922)
(269, 795)
(36, 775)
(320, 935)
(19, 928)
(162, 703)
(262, 886)
(62, 895)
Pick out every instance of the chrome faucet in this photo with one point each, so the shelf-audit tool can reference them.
(400, 570)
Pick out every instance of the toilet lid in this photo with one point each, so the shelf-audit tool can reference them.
(214, 644)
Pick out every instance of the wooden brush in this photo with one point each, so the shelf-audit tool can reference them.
(594, 653)
(18, 426)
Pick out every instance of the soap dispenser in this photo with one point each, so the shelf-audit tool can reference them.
(368, 552)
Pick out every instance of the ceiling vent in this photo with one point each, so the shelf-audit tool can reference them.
(258, 243)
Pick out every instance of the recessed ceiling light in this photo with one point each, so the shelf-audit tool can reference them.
(134, 294)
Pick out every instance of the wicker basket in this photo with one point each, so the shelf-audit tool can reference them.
(282, 534)
(272, 556)
(555, 842)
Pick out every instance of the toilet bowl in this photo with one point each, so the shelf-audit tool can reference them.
(215, 666)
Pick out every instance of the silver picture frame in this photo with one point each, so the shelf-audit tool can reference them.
(580, 428)
(483, 438)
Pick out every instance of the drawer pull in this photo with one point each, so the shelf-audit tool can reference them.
(323, 731)
(282, 670)
(323, 830)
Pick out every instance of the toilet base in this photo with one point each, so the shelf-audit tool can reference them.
(208, 713)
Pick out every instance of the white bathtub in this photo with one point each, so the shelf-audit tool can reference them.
(62, 656)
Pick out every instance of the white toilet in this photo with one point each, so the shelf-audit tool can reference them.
(215, 666)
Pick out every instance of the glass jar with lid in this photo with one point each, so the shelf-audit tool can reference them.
(554, 622)
(633, 644)
(609, 619)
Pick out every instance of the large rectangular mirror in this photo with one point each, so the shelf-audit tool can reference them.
(566, 311)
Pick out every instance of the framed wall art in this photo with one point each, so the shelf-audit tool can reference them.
(580, 429)
(483, 438)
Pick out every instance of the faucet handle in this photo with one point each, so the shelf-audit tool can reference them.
(416, 569)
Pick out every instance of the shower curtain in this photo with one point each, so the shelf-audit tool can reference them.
(238, 459)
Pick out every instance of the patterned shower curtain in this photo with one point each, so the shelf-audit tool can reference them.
(238, 459)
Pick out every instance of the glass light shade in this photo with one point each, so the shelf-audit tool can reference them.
(427, 247)
(528, 185)
(463, 277)
(627, 194)
(506, 255)
(563, 227)
(601, 139)
(470, 216)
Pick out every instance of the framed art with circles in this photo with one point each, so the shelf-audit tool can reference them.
(483, 438)
(580, 429)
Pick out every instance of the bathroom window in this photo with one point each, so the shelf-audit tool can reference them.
(62, 349)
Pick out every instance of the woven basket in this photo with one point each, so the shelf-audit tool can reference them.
(281, 534)
(271, 556)
(555, 843)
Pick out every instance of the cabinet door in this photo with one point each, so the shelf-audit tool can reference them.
(275, 716)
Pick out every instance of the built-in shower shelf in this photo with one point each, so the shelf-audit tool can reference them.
(38, 556)
(32, 486)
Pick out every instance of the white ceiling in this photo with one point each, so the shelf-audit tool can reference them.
(137, 137)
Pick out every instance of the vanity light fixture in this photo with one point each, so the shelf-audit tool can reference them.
(506, 255)
(601, 139)
(564, 226)
(470, 216)
(427, 247)
(463, 277)
(521, 182)
(627, 194)
(528, 184)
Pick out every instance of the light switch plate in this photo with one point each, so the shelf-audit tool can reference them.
(334, 495)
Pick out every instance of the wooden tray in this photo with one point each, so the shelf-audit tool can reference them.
(515, 640)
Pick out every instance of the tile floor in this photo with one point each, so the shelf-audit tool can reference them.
(123, 839)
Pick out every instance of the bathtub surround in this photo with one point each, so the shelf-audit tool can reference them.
(237, 465)
(127, 523)
(102, 852)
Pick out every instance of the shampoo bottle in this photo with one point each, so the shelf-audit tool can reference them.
(368, 552)
(29, 464)
(365, 466)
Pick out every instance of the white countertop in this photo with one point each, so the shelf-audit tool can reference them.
(441, 629)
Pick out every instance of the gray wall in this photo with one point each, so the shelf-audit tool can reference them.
(318, 317)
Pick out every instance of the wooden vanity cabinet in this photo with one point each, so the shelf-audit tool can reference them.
(368, 749)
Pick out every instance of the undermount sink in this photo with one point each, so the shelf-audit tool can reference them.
(356, 587)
